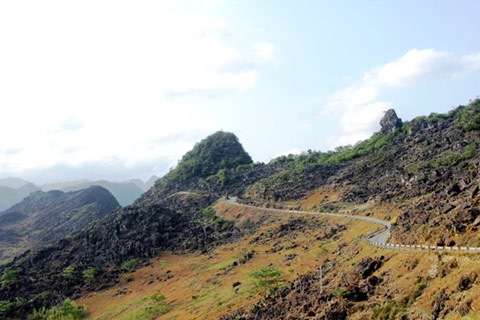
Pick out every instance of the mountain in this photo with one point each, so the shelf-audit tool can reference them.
(219, 151)
(214, 259)
(14, 183)
(10, 196)
(143, 185)
(124, 192)
(46, 217)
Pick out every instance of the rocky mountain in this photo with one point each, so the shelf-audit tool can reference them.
(429, 165)
(162, 219)
(422, 175)
(46, 217)
(10, 196)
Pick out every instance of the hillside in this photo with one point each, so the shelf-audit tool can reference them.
(46, 217)
(201, 251)
(158, 221)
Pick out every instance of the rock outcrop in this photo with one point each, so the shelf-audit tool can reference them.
(390, 122)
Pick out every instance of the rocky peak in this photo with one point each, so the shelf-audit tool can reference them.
(390, 121)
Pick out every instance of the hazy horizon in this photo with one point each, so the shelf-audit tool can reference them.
(108, 90)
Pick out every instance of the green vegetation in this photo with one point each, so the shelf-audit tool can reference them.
(390, 310)
(467, 118)
(89, 275)
(9, 277)
(147, 308)
(129, 266)
(5, 307)
(219, 151)
(453, 159)
(267, 278)
(68, 310)
(210, 218)
(341, 293)
(340, 155)
(69, 273)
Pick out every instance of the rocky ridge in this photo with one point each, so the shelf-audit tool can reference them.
(43, 218)
(425, 167)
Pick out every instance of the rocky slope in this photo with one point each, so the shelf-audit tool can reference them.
(46, 217)
(428, 168)
(162, 219)
(421, 174)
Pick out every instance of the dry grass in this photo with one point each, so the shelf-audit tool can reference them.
(201, 286)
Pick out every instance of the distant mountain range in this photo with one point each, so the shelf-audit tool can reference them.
(14, 190)
(10, 196)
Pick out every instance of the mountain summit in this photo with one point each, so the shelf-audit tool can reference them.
(221, 150)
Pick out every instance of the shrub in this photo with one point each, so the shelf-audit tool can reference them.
(9, 277)
(69, 273)
(5, 307)
(68, 310)
(129, 266)
(267, 278)
(89, 275)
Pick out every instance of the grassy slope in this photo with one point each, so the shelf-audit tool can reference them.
(200, 286)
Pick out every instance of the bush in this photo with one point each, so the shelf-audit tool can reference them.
(69, 273)
(89, 275)
(267, 278)
(5, 307)
(129, 266)
(9, 277)
(68, 310)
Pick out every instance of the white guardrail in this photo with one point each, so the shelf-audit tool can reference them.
(376, 238)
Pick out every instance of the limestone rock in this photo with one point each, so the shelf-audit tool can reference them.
(390, 121)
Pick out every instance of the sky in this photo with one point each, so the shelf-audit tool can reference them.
(114, 89)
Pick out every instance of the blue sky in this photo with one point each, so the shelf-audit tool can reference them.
(122, 89)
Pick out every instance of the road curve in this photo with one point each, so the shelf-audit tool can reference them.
(379, 235)
(376, 238)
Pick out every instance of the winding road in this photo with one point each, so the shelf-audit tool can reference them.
(376, 238)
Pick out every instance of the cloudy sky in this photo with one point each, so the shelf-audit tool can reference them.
(122, 89)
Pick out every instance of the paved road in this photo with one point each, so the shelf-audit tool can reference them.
(377, 238)
(379, 235)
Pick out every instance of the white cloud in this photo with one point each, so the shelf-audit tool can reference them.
(93, 80)
(358, 107)
(414, 66)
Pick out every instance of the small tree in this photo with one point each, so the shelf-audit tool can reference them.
(267, 278)
(9, 277)
(89, 275)
(69, 273)
(5, 307)
(129, 266)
